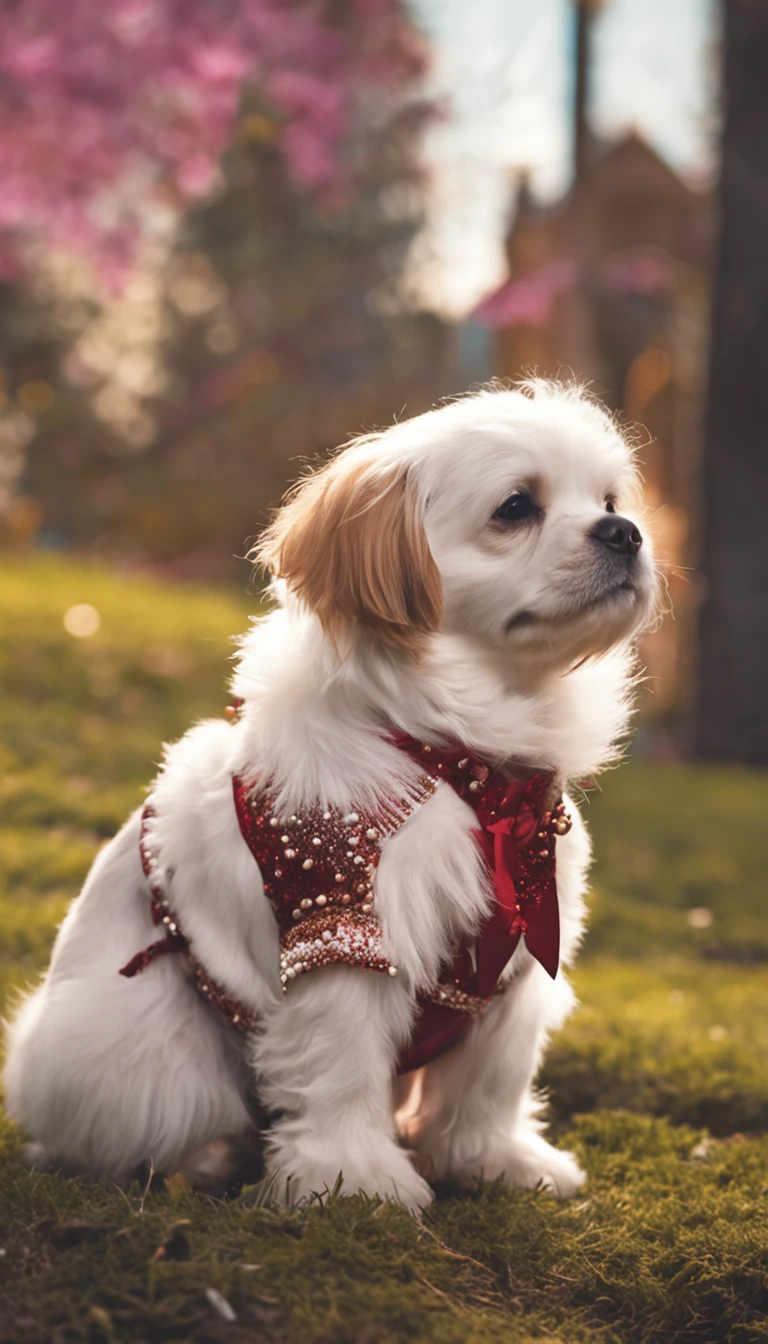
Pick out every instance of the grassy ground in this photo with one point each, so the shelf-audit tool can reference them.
(659, 1081)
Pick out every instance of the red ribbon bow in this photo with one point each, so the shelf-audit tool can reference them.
(517, 838)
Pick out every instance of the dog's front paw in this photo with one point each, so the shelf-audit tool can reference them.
(298, 1170)
(529, 1160)
(524, 1160)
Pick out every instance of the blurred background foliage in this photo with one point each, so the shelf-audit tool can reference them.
(242, 253)
(164, 412)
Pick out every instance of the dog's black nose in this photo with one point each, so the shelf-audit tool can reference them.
(618, 533)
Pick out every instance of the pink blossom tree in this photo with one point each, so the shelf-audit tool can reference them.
(110, 109)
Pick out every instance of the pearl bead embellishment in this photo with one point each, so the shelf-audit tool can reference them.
(324, 901)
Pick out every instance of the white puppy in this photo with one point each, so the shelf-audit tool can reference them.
(463, 582)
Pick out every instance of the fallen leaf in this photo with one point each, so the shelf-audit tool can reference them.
(703, 1150)
(177, 1185)
(102, 1326)
(220, 1304)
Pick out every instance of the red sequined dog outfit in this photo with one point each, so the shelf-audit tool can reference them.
(318, 871)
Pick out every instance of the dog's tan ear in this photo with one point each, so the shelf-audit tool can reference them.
(350, 544)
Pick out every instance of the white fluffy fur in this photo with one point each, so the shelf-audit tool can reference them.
(108, 1073)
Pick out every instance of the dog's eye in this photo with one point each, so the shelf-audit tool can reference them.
(610, 504)
(515, 509)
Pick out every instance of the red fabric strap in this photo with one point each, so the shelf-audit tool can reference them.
(174, 942)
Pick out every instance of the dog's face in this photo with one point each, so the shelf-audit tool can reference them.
(525, 517)
(498, 517)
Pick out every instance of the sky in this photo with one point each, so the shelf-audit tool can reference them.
(503, 68)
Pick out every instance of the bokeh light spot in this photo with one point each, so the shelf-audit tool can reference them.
(699, 917)
(82, 620)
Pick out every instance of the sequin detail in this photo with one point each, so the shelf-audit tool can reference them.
(461, 1000)
(329, 937)
(318, 869)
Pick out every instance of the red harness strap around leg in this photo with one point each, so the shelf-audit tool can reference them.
(238, 1014)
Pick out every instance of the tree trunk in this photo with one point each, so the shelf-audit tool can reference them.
(731, 716)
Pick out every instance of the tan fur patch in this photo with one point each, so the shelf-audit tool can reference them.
(349, 543)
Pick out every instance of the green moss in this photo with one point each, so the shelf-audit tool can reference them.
(674, 839)
(665, 1038)
(664, 1244)
(669, 1240)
